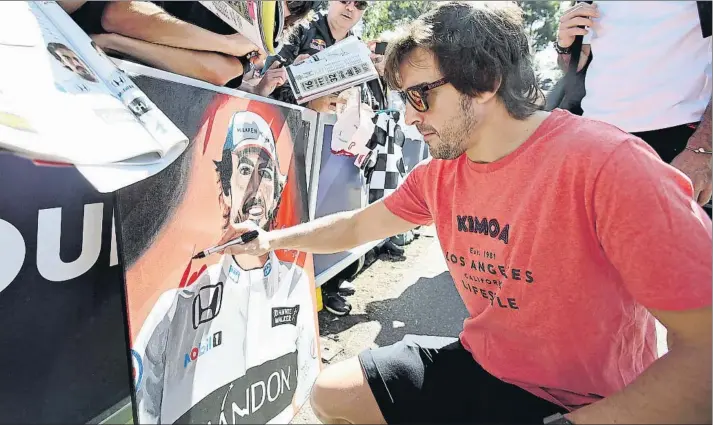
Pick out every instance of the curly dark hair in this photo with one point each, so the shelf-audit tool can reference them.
(478, 49)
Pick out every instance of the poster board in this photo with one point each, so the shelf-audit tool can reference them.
(337, 186)
(222, 339)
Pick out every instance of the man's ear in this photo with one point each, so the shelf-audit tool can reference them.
(485, 97)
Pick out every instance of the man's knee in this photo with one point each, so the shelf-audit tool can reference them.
(329, 391)
(341, 394)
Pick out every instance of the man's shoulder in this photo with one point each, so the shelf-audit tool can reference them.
(581, 138)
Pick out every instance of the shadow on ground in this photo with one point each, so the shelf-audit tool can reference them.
(431, 306)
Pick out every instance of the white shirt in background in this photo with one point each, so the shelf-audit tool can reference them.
(651, 66)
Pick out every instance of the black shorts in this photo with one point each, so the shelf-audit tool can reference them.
(413, 384)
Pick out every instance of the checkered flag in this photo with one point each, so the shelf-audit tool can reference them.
(385, 170)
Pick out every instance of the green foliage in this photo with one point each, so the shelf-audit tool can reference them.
(541, 22)
(384, 16)
(541, 18)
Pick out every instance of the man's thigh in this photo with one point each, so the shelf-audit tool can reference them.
(412, 384)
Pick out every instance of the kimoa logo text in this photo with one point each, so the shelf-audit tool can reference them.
(483, 226)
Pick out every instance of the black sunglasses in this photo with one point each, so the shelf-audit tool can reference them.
(361, 5)
(416, 95)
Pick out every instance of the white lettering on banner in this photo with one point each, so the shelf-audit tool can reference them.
(12, 253)
(277, 382)
(49, 232)
(49, 228)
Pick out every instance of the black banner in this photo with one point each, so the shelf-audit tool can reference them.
(64, 351)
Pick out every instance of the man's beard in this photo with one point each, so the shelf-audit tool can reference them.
(453, 137)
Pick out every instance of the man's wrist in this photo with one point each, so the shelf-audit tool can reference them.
(274, 240)
(562, 50)
(697, 142)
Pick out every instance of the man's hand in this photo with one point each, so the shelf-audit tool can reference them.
(580, 14)
(257, 247)
(697, 166)
(273, 78)
(326, 104)
(239, 46)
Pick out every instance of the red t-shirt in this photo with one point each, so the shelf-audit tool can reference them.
(559, 248)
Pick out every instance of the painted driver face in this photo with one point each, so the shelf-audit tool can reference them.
(253, 185)
(255, 179)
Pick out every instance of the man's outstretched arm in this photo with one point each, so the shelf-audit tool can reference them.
(326, 235)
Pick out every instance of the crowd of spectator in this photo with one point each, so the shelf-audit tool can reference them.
(643, 49)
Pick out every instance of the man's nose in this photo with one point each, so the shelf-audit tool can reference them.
(412, 116)
(253, 185)
(350, 6)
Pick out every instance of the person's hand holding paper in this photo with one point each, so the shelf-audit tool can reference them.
(272, 79)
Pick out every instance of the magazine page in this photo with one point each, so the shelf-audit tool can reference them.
(55, 106)
(261, 22)
(166, 134)
(336, 68)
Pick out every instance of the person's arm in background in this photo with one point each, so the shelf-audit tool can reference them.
(211, 67)
(697, 166)
(146, 21)
(580, 14)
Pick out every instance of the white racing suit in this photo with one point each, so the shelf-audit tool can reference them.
(229, 348)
